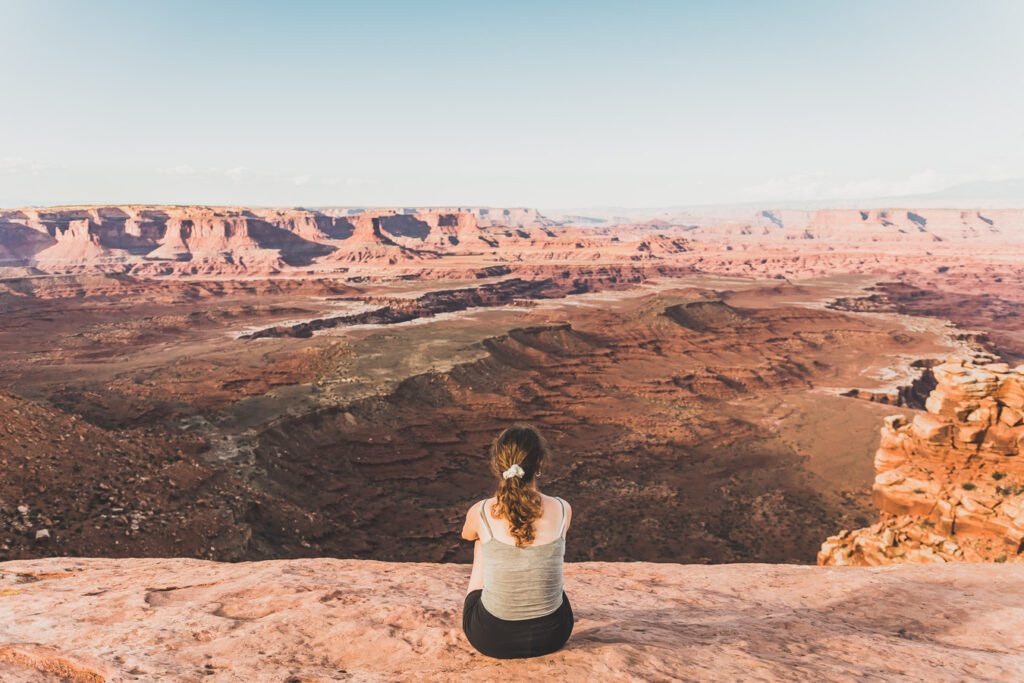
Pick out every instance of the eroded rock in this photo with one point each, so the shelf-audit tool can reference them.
(950, 482)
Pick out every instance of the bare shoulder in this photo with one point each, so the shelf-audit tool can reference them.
(554, 500)
(562, 510)
(556, 503)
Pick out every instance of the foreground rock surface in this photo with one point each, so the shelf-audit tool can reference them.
(326, 620)
(950, 482)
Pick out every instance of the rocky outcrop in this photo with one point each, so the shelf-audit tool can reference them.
(907, 225)
(949, 481)
(213, 243)
(329, 620)
(19, 243)
(437, 230)
(77, 245)
(507, 217)
(367, 243)
(203, 240)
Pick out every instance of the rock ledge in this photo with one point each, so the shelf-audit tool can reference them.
(325, 620)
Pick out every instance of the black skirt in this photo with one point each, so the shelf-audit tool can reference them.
(506, 639)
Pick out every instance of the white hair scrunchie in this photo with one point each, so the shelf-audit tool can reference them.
(514, 471)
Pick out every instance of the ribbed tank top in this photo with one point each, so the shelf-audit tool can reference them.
(522, 583)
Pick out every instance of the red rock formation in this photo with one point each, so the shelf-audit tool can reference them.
(950, 481)
(218, 243)
(889, 225)
(182, 240)
(233, 240)
(507, 217)
(78, 245)
(19, 243)
(368, 245)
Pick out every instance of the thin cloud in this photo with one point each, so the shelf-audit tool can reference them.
(186, 170)
(20, 165)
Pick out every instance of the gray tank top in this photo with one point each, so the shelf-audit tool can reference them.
(522, 583)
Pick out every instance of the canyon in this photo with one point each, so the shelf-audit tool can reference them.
(234, 383)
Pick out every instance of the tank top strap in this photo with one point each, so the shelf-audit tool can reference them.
(561, 529)
(483, 516)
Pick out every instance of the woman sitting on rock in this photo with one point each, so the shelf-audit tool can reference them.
(515, 605)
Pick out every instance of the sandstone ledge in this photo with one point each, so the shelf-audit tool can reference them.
(320, 620)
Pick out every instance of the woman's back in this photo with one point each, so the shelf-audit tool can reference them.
(547, 527)
(523, 582)
(515, 605)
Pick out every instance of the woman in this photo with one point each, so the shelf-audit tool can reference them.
(515, 605)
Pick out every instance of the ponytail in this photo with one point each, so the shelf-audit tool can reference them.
(516, 456)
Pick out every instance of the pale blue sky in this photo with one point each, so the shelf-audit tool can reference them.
(526, 103)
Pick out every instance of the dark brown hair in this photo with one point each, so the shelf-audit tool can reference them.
(518, 499)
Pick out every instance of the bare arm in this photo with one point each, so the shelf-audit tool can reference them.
(568, 517)
(470, 530)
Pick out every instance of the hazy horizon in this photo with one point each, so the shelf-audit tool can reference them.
(599, 104)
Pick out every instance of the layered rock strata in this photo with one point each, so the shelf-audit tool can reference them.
(204, 240)
(950, 480)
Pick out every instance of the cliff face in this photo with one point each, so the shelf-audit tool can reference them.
(183, 240)
(329, 620)
(160, 240)
(950, 481)
(78, 244)
(928, 225)
(920, 227)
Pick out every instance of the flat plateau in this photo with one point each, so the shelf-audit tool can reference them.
(328, 620)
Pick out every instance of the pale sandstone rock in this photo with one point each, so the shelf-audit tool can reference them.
(888, 459)
(971, 434)
(930, 428)
(329, 620)
(937, 402)
(77, 245)
(984, 414)
(1011, 417)
(890, 478)
(894, 422)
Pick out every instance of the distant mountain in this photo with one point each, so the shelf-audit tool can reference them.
(981, 194)
(977, 194)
